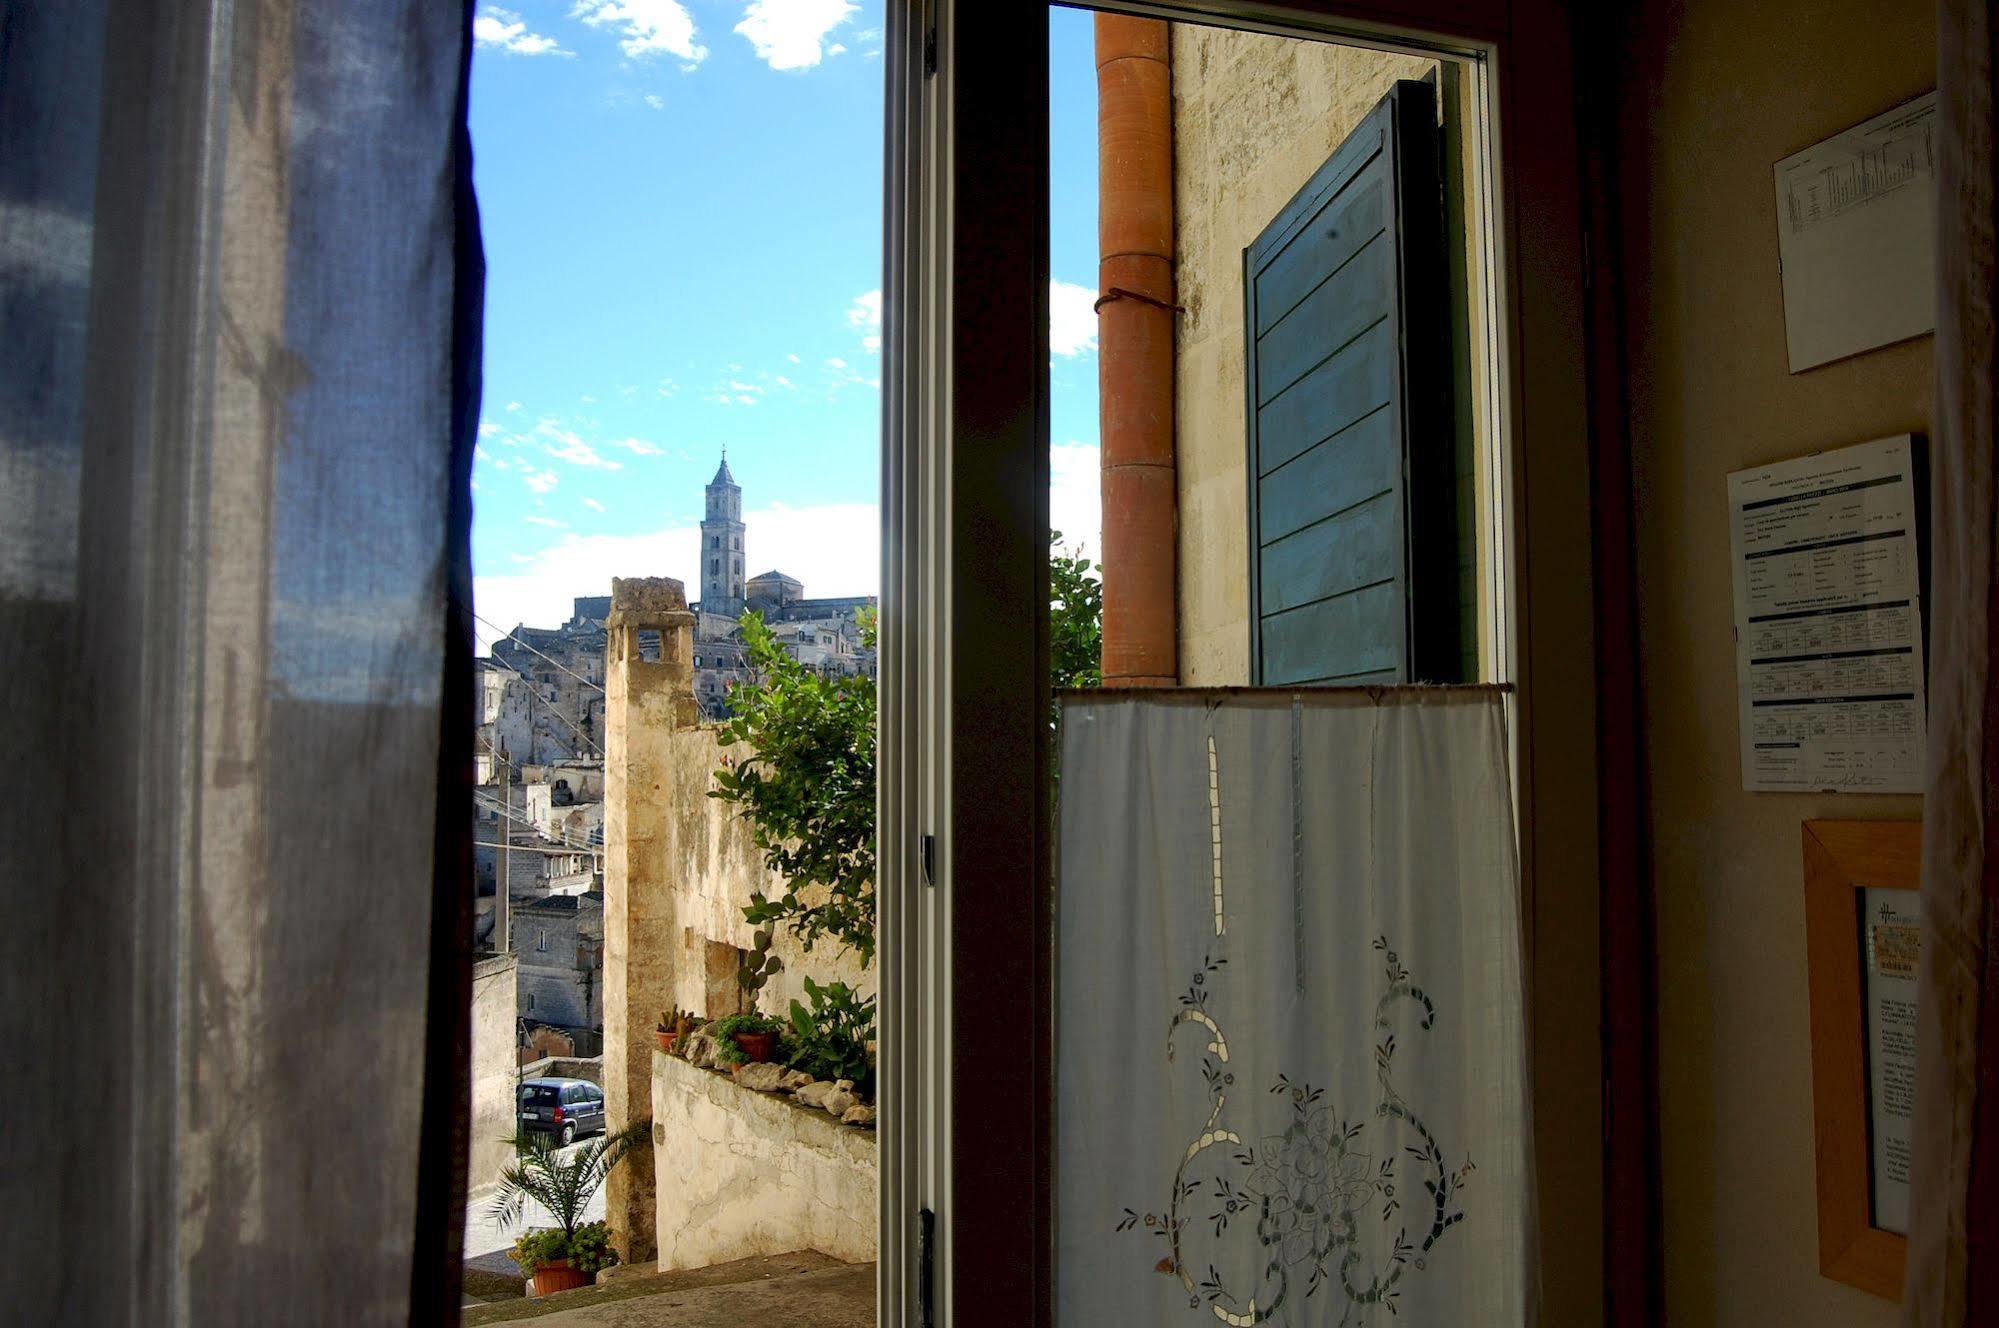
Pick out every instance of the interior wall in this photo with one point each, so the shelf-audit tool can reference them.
(1715, 93)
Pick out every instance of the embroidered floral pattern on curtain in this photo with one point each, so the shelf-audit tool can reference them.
(1317, 1137)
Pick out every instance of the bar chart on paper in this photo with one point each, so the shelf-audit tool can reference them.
(1860, 167)
(1855, 216)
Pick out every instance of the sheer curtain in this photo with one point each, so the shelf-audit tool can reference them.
(1953, 1264)
(1290, 1048)
(239, 283)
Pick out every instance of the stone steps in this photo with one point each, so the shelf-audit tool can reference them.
(807, 1289)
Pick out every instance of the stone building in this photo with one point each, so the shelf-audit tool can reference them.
(559, 941)
(823, 633)
(542, 690)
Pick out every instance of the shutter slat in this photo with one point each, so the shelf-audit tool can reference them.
(1344, 416)
(1330, 557)
(1352, 466)
(1356, 380)
(1367, 624)
(1344, 305)
(1296, 270)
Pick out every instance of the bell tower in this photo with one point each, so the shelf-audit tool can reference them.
(722, 544)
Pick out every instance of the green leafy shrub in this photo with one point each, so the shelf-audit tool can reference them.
(806, 777)
(830, 1041)
(807, 783)
(725, 1029)
(588, 1249)
(1075, 618)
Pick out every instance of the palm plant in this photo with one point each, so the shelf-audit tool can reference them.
(561, 1184)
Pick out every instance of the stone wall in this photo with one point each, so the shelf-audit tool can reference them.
(679, 867)
(493, 1068)
(714, 869)
(742, 1173)
(1253, 117)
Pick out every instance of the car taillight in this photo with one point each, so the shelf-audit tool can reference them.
(558, 1115)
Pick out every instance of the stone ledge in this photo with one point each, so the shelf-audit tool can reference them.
(722, 1088)
(744, 1173)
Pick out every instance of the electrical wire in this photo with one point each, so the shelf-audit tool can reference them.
(509, 636)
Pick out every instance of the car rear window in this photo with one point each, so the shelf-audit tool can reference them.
(538, 1095)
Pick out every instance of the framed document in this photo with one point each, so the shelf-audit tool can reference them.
(1862, 938)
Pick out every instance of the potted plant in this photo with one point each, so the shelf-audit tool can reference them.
(835, 1038)
(569, 1254)
(674, 1025)
(743, 1039)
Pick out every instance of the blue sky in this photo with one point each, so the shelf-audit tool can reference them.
(682, 207)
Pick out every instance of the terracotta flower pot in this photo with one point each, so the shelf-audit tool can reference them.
(558, 1276)
(759, 1047)
(666, 1040)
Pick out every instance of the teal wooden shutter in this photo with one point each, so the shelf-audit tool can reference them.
(1353, 505)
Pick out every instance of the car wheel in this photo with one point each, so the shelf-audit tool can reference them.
(568, 1133)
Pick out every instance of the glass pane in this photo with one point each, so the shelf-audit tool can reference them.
(1290, 1061)
(677, 561)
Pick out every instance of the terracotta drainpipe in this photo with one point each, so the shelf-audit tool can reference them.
(1135, 331)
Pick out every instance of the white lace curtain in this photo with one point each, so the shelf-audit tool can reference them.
(1290, 1060)
(238, 317)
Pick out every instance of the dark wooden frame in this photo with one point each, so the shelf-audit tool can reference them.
(1581, 830)
(1425, 528)
(1841, 858)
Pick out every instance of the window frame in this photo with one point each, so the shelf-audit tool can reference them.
(963, 742)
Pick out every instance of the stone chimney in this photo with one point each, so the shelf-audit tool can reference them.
(645, 702)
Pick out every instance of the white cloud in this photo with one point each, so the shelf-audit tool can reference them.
(864, 315)
(568, 446)
(487, 428)
(1072, 318)
(546, 521)
(654, 100)
(638, 445)
(646, 27)
(835, 549)
(791, 34)
(1075, 497)
(835, 362)
(794, 359)
(505, 30)
(593, 504)
(513, 405)
(541, 481)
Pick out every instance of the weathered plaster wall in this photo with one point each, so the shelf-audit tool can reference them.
(493, 1060)
(1715, 93)
(714, 870)
(743, 1173)
(645, 701)
(678, 868)
(1253, 117)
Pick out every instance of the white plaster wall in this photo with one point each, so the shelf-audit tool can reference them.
(493, 1057)
(741, 1173)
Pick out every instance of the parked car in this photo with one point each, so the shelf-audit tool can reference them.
(566, 1108)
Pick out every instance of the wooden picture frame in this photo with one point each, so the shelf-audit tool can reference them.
(1841, 859)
